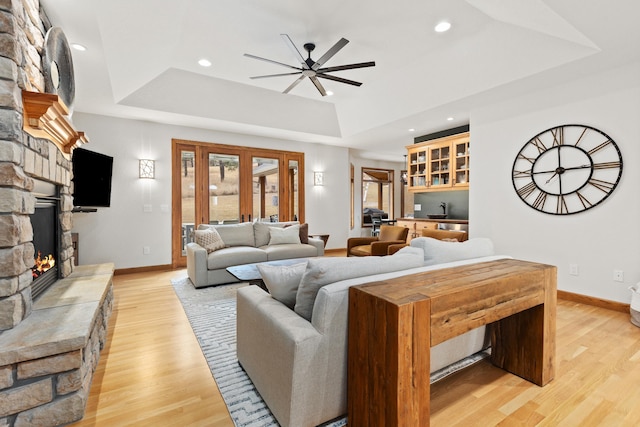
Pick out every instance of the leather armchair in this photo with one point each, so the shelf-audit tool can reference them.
(449, 235)
(377, 246)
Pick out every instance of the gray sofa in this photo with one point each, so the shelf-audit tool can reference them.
(245, 243)
(298, 364)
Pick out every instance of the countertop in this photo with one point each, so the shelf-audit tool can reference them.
(450, 221)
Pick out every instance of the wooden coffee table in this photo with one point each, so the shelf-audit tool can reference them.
(250, 273)
(389, 356)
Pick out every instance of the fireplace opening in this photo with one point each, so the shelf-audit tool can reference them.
(46, 242)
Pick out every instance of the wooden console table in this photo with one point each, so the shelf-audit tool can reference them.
(393, 324)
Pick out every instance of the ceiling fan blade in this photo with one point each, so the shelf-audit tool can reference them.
(294, 84)
(327, 56)
(347, 67)
(339, 79)
(275, 75)
(318, 85)
(295, 51)
(271, 61)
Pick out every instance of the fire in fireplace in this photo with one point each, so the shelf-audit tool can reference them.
(46, 231)
(42, 264)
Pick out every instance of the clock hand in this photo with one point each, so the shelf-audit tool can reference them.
(563, 169)
(552, 176)
(578, 167)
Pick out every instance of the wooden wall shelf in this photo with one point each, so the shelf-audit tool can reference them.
(46, 116)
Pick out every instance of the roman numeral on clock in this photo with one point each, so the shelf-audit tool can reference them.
(526, 190)
(604, 186)
(561, 205)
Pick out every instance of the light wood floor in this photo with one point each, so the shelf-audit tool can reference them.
(152, 372)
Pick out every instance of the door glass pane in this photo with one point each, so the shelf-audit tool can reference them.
(188, 201)
(265, 189)
(224, 189)
(293, 190)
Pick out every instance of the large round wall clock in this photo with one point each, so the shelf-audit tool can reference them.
(567, 169)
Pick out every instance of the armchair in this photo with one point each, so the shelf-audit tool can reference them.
(448, 235)
(377, 246)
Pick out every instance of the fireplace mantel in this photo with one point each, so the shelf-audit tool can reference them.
(46, 116)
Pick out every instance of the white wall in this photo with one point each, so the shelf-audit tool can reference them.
(119, 233)
(602, 239)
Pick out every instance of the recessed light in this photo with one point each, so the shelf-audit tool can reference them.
(442, 27)
(449, 119)
(412, 130)
(329, 93)
(204, 63)
(78, 46)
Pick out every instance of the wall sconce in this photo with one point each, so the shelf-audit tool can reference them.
(318, 178)
(147, 168)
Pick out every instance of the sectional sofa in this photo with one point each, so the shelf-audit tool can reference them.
(295, 349)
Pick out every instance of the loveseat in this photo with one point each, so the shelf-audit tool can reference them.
(245, 243)
(296, 356)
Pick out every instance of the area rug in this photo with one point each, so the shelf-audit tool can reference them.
(212, 314)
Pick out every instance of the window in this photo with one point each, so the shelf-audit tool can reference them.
(224, 184)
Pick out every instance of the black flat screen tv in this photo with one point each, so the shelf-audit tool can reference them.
(91, 179)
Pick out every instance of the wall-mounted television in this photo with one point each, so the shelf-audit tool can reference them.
(91, 179)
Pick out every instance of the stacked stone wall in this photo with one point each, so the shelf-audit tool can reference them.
(23, 158)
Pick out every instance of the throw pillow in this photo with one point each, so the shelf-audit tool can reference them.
(324, 271)
(438, 251)
(261, 232)
(304, 232)
(209, 239)
(282, 281)
(281, 236)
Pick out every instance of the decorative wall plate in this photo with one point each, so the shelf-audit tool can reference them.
(567, 169)
(58, 67)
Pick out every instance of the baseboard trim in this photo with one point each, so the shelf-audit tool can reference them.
(166, 267)
(597, 302)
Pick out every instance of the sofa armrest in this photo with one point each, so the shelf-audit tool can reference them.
(283, 354)
(380, 248)
(197, 264)
(318, 243)
(359, 241)
(392, 249)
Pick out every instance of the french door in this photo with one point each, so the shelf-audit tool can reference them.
(224, 184)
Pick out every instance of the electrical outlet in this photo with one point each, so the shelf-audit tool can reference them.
(573, 269)
(618, 275)
(146, 250)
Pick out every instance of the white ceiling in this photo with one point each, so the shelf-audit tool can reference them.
(142, 58)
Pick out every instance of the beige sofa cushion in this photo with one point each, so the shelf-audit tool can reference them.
(323, 271)
(237, 234)
(236, 255)
(261, 232)
(439, 252)
(277, 252)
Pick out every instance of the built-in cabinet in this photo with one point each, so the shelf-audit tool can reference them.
(440, 164)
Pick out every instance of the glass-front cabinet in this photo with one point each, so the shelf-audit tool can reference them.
(439, 164)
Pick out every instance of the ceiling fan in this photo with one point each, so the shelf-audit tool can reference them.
(313, 69)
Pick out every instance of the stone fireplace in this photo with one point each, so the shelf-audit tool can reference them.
(49, 346)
